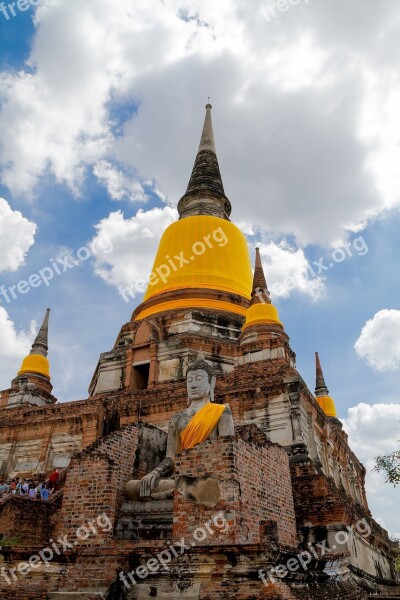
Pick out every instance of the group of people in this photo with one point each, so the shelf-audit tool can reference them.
(40, 490)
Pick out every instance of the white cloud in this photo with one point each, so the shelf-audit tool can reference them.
(379, 341)
(16, 237)
(299, 65)
(379, 127)
(134, 244)
(14, 346)
(374, 430)
(305, 106)
(118, 184)
(290, 133)
(287, 270)
(56, 115)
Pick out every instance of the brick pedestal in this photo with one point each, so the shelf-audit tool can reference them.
(246, 482)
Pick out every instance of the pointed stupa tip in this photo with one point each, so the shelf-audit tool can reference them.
(260, 292)
(261, 310)
(40, 345)
(322, 393)
(320, 385)
(205, 193)
(207, 141)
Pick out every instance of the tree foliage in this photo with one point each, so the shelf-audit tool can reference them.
(390, 465)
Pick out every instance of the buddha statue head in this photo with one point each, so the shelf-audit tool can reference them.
(200, 380)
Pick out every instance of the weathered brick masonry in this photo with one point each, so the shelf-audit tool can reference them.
(256, 492)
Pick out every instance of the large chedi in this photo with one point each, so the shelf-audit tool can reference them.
(201, 466)
(203, 260)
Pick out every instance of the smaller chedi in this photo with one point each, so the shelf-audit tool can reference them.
(32, 385)
(201, 420)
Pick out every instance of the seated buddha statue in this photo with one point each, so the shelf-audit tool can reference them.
(201, 420)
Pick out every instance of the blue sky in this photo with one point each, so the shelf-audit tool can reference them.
(100, 117)
(16, 39)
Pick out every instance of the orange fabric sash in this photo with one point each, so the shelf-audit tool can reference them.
(201, 425)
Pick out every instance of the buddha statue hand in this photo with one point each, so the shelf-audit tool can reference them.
(150, 482)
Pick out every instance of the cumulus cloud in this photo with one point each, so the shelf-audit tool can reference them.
(291, 132)
(53, 117)
(14, 346)
(134, 243)
(374, 430)
(379, 341)
(57, 115)
(288, 270)
(305, 106)
(17, 235)
(118, 184)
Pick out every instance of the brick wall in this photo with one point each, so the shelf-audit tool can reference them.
(27, 519)
(27, 433)
(256, 495)
(95, 485)
(4, 398)
(319, 502)
(19, 591)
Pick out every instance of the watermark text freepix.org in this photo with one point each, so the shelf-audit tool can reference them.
(57, 548)
(174, 263)
(57, 266)
(339, 255)
(316, 268)
(271, 11)
(163, 558)
(314, 552)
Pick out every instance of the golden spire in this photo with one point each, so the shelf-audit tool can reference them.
(321, 391)
(36, 362)
(261, 310)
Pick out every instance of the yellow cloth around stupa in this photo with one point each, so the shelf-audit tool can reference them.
(258, 314)
(201, 425)
(218, 259)
(35, 363)
(328, 405)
